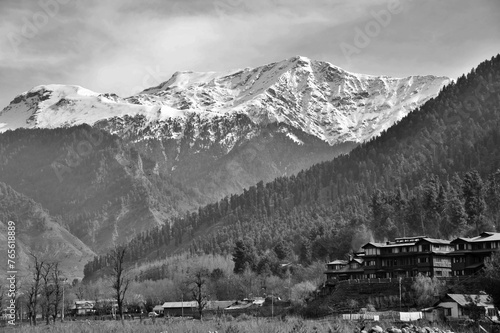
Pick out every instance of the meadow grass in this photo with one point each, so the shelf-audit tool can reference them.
(243, 324)
(261, 325)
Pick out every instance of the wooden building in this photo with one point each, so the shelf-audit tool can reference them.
(470, 253)
(339, 270)
(455, 305)
(407, 257)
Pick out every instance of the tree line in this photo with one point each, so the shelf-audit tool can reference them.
(437, 166)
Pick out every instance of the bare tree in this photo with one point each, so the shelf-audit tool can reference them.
(80, 291)
(199, 280)
(119, 276)
(47, 291)
(57, 282)
(33, 288)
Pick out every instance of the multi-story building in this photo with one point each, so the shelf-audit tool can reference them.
(410, 256)
(346, 269)
(406, 257)
(470, 254)
(403, 257)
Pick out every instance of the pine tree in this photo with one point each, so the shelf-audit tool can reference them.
(474, 199)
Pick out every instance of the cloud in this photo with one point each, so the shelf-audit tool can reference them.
(125, 46)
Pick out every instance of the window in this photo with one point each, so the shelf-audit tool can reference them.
(447, 312)
(439, 273)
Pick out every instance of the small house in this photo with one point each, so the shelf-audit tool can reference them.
(187, 308)
(455, 305)
(83, 308)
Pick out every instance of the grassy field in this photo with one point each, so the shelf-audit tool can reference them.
(243, 324)
(161, 325)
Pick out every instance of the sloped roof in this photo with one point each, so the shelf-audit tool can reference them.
(337, 262)
(84, 302)
(158, 308)
(436, 241)
(373, 244)
(398, 244)
(187, 304)
(462, 300)
(483, 237)
(214, 305)
(487, 236)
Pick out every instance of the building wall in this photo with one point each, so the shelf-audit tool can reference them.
(455, 310)
(175, 312)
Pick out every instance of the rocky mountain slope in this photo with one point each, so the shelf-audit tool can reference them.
(314, 96)
(38, 233)
(435, 173)
(109, 167)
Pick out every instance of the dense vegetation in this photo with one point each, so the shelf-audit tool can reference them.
(434, 173)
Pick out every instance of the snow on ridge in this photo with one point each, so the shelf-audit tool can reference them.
(314, 96)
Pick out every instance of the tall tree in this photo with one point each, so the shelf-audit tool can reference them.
(243, 255)
(199, 286)
(47, 290)
(58, 283)
(474, 199)
(493, 198)
(34, 287)
(119, 277)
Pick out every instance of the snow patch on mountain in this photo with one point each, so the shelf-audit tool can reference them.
(315, 97)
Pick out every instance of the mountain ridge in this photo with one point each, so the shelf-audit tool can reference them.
(317, 97)
(169, 151)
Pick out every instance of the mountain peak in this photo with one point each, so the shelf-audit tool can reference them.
(314, 96)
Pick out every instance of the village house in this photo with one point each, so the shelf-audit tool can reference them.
(190, 308)
(455, 305)
(411, 256)
(345, 269)
(83, 308)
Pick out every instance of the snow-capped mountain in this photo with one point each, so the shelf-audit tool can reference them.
(190, 141)
(315, 97)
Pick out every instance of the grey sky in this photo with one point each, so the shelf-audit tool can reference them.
(126, 46)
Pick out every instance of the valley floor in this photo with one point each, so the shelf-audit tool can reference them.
(240, 325)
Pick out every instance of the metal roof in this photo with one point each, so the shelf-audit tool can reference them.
(187, 304)
(484, 300)
(437, 241)
(483, 237)
(374, 244)
(214, 305)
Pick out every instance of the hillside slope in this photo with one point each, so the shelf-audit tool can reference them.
(40, 234)
(418, 177)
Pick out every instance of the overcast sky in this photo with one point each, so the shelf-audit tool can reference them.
(125, 46)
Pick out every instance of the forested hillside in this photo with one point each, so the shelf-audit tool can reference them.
(37, 233)
(434, 173)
